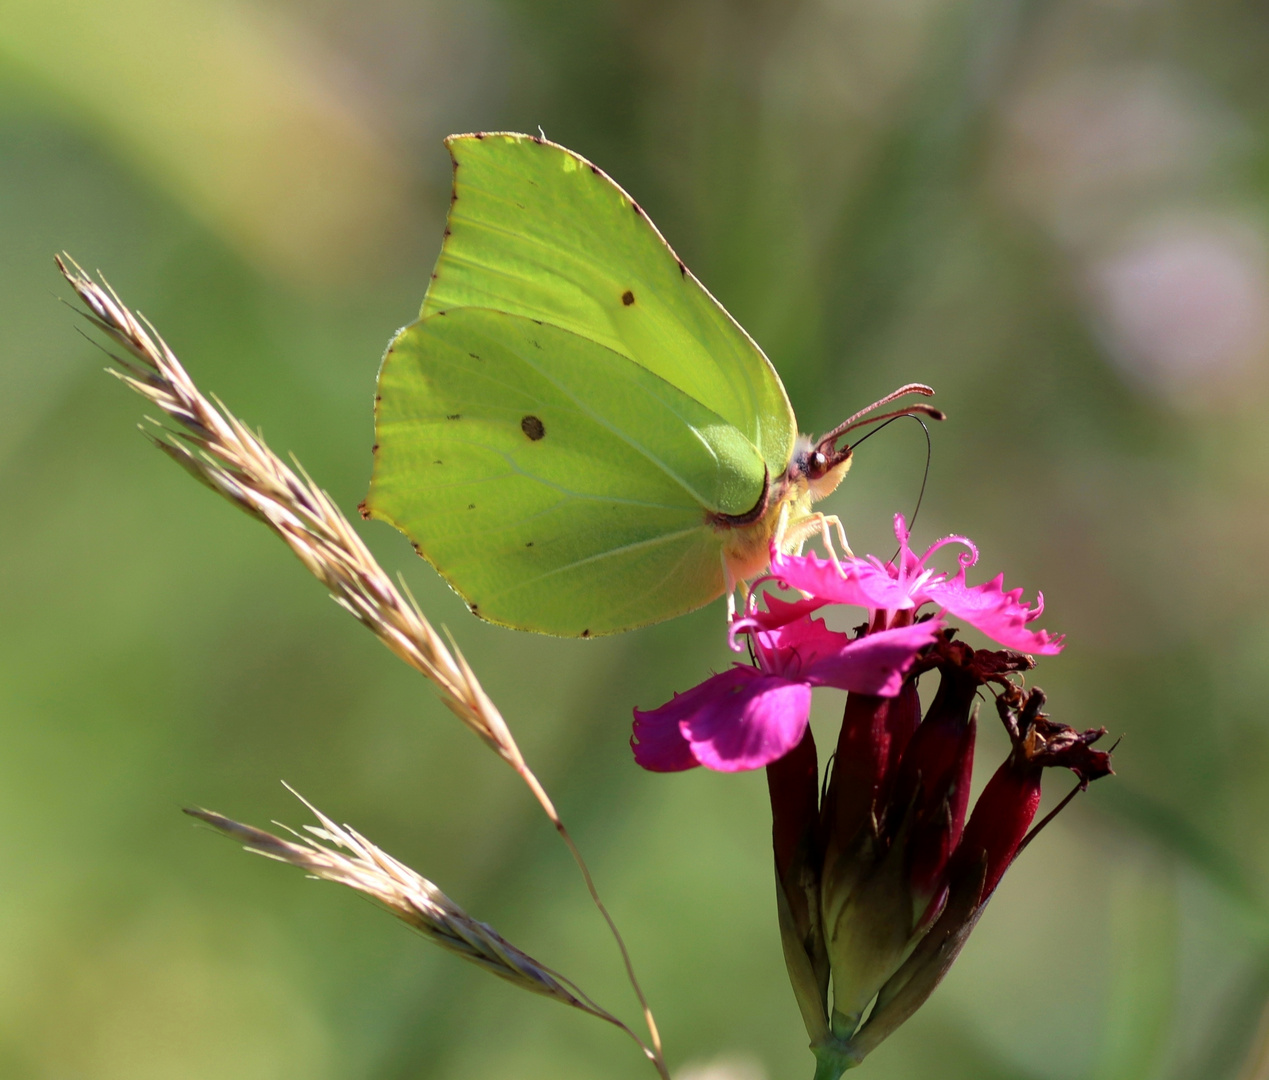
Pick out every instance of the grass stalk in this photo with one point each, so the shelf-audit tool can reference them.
(224, 454)
(338, 853)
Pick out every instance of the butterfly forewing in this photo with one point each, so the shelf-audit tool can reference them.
(536, 230)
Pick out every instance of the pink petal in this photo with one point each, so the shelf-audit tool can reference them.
(966, 558)
(779, 613)
(875, 663)
(658, 741)
(791, 649)
(756, 720)
(910, 563)
(866, 583)
(1002, 616)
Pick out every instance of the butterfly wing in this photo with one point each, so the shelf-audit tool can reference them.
(538, 237)
(504, 456)
(536, 230)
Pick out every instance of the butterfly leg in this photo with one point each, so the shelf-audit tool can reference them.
(836, 522)
(822, 525)
(826, 537)
(791, 537)
(782, 527)
(729, 583)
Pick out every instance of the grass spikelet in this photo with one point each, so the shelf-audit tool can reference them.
(223, 453)
(338, 853)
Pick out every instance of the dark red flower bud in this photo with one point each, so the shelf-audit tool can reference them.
(875, 731)
(932, 790)
(935, 784)
(1008, 804)
(793, 782)
(996, 832)
(864, 915)
(1001, 818)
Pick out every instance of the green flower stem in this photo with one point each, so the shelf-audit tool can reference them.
(833, 1057)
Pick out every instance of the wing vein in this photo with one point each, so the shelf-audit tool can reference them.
(599, 556)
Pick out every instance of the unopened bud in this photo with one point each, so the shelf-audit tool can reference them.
(793, 782)
(996, 832)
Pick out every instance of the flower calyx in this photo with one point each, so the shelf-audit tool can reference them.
(904, 871)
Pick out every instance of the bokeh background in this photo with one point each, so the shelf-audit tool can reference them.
(1055, 211)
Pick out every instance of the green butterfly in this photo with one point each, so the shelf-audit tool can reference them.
(575, 433)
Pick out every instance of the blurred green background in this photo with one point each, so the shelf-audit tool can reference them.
(1054, 212)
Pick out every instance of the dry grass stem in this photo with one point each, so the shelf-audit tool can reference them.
(348, 858)
(221, 452)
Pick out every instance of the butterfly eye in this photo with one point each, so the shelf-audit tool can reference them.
(816, 464)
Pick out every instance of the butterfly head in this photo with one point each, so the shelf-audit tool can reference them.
(824, 463)
(817, 467)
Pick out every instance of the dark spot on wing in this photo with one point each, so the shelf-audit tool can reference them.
(438, 463)
(446, 233)
(595, 169)
(529, 544)
(471, 506)
(538, 321)
(473, 356)
(453, 416)
(442, 313)
(627, 298)
(532, 427)
(682, 268)
(374, 449)
(474, 608)
(361, 509)
(586, 632)
(480, 134)
(536, 344)
(520, 205)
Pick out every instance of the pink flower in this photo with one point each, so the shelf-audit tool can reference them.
(746, 717)
(896, 592)
(881, 872)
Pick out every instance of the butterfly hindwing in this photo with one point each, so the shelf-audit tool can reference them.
(555, 484)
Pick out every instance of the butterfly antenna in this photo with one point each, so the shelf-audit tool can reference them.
(929, 454)
(864, 417)
(925, 475)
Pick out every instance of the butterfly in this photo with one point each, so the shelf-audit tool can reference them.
(575, 433)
